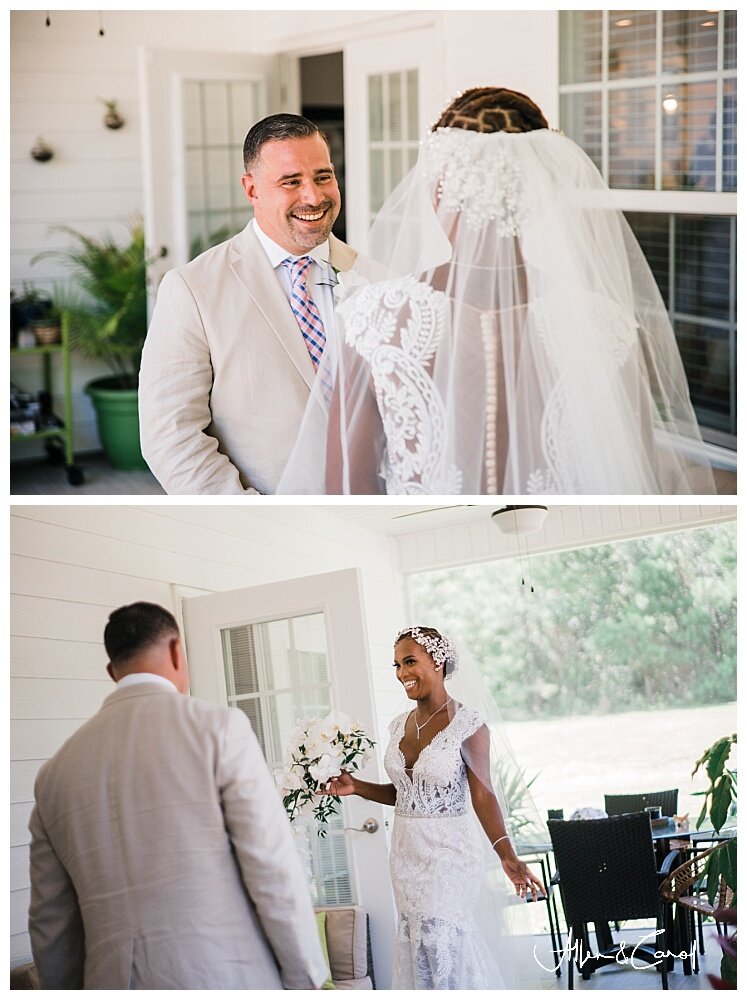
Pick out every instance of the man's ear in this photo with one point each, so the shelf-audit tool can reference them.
(110, 671)
(250, 187)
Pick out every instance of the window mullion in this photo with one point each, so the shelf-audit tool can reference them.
(658, 108)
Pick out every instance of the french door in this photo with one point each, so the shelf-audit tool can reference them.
(292, 650)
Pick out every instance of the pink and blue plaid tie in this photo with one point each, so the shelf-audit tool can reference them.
(305, 309)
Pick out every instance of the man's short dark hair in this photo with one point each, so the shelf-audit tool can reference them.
(134, 628)
(276, 127)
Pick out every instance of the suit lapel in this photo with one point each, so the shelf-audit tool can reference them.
(251, 266)
(341, 256)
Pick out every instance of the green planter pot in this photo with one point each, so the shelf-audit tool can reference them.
(119, 430)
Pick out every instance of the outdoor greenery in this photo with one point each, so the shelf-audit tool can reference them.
(608, 628)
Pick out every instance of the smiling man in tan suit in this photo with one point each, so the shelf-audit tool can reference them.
(228, 365)
(161, 855)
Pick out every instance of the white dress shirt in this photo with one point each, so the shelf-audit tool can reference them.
(321, 278)
(143, 678)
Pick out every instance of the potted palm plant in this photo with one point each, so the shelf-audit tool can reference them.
(107, 317)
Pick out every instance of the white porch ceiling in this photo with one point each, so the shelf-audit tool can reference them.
(441, 536)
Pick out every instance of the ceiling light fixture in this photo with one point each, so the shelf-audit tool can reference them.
(521, 520)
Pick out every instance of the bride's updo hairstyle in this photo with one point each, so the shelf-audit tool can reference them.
(492, 109)
(440, 649)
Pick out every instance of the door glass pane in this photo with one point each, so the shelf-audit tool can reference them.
(375, 108)
(730, 39)
(730, 136)
(581, 115)
(689, 137)
(277, 673)
(215, 97)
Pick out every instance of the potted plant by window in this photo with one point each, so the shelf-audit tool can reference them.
(108, 322)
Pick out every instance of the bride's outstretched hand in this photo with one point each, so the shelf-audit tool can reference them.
(524, 881)
(341, 785)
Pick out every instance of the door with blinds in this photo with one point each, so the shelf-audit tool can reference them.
(393, 91)
(197, 108)
(296, 650)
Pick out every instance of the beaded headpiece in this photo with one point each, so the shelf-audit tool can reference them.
(440, 649)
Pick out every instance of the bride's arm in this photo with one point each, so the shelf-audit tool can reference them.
(476, 753)
(346, 784)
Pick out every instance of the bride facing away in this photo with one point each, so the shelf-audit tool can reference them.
(454, 911)
(519, 343)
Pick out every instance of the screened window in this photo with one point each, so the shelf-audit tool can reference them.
(393, 132)
(651, 97)
(215, 117)
(277, 673)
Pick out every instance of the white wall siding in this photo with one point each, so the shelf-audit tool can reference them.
(71, 565)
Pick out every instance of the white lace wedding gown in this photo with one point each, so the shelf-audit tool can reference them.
(437, 865)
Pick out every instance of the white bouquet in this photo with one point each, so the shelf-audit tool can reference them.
(319, 750)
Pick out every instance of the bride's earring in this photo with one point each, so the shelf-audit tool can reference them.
(437, 667)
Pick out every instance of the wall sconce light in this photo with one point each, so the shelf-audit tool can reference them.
(41, 152)
(670, 104)
(112, 118)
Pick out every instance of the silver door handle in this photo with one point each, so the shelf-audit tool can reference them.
(369, 826)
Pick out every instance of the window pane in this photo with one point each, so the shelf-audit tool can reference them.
(195, 180)
(581, 47)
(192, 113)
(413, 124)
(632, 44)
(690, 41)
(705, 353)
(394, 81)
(253, 711)
(218, 163)
(376, 166)
(632, 137)
(730, 39)
(244, 112)
(702, 266)
(689, 137)
(581, 116)
(215, 96)
(730, 136)
(395, 167)
(240, 660)
(652, 232)
(375, 108)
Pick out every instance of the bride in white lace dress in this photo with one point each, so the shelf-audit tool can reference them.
(519, 343)
(437, 760)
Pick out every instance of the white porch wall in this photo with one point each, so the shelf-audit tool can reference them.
(72, 565)
(94, 183)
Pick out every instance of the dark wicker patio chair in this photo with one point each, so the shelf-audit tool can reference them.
(686, 888)
(608, 873)
(615, 805)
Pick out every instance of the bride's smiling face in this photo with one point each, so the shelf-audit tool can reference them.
(415, 669)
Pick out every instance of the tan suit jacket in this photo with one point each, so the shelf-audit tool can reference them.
(162, 858)
(225, 373)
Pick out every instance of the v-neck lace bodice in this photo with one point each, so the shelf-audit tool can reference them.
(438, 782)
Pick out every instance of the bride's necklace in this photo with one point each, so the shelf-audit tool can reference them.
(415, 717)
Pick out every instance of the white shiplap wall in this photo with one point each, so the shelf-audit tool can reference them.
(94, 183)
(70, 566)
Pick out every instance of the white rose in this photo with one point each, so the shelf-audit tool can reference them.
(326, 767)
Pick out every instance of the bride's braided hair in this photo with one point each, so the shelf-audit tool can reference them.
(492, 109)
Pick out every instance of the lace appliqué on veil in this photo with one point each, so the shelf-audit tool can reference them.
(396, 327)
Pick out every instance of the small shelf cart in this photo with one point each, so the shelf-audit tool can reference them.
(58, 435)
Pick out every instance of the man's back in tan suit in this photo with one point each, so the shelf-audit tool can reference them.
(162, 857)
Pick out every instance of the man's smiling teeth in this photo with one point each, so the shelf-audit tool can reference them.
(315, 217)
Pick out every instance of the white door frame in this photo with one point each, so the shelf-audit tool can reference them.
(339, 596)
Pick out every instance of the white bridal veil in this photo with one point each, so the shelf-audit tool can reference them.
(518, 345)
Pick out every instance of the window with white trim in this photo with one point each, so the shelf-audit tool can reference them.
(651, 96)
(277, 674)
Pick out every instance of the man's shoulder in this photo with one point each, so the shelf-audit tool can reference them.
(216, 259)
